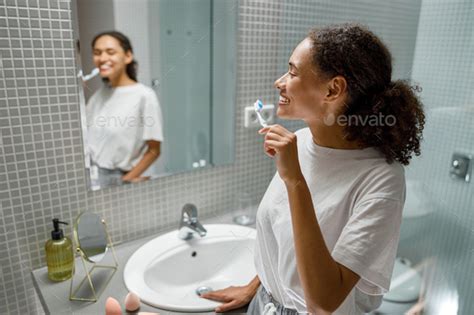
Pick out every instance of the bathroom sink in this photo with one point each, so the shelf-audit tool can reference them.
(167, 271)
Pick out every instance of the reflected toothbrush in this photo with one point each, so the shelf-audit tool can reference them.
(258, 106)
(89, 76)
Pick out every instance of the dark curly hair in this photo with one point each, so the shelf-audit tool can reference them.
(126, 45)
(352, 51)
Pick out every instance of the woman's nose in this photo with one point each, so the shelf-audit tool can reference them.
(279, 83)
(103, 57)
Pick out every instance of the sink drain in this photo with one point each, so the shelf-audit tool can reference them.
(202, 290)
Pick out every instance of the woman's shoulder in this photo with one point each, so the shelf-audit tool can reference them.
(384, 180)
(392, 171)
(137, 91)
(146, 91)
(144, 87)
(140, 88)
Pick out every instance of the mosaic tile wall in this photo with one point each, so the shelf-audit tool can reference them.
(41, 166)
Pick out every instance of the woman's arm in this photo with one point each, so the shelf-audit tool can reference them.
(150, 156)
(326, 283)
(254, 284)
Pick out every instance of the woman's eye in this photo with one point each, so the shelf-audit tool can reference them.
(291, 74)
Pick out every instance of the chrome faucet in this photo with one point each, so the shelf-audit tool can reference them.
(189, 224)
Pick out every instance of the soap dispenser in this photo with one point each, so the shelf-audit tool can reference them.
(59, 254)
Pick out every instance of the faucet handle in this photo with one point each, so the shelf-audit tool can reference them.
(189, 213)
(189, 223)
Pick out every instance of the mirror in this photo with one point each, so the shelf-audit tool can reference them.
(175, 113)
(90, 236)
(92, 242)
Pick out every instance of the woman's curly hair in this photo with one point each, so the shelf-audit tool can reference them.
(354, 52)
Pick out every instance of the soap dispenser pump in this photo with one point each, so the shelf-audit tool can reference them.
(59, 254)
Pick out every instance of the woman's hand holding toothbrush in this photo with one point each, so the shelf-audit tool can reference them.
(281, 144)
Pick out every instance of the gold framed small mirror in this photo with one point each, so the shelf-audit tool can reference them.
(92, 241)
(91, 236)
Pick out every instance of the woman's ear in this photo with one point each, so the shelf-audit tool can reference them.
(337, 87)
(128, 57)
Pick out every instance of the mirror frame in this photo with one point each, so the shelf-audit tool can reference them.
(78, 243)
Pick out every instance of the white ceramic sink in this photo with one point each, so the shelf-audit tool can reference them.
(166, 271)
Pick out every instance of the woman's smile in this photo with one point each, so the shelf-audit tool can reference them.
(283, 101)
(105, 68)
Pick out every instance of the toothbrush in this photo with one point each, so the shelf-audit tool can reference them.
(258, 106)
(89, 76)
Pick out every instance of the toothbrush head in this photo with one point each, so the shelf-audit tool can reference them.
(258, 106)
(89, 76)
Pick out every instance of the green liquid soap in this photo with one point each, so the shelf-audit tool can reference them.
(59, 255)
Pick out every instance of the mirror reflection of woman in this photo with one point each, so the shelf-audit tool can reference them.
(124, 117)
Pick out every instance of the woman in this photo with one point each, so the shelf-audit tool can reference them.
(124, 116)
(328, 224)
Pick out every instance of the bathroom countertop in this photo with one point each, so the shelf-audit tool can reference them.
(54, 296)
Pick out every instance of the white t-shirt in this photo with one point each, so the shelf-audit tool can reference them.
(358, 199)
(120, 120)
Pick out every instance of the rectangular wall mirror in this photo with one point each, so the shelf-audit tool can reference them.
(175, 112)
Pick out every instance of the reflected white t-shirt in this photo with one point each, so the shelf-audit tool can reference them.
(358, 199)
(120, 120)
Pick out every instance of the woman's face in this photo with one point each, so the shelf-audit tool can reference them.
(110, 57)
(303, 93)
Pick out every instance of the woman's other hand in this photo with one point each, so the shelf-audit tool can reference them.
(233, 297)
(281, 144)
